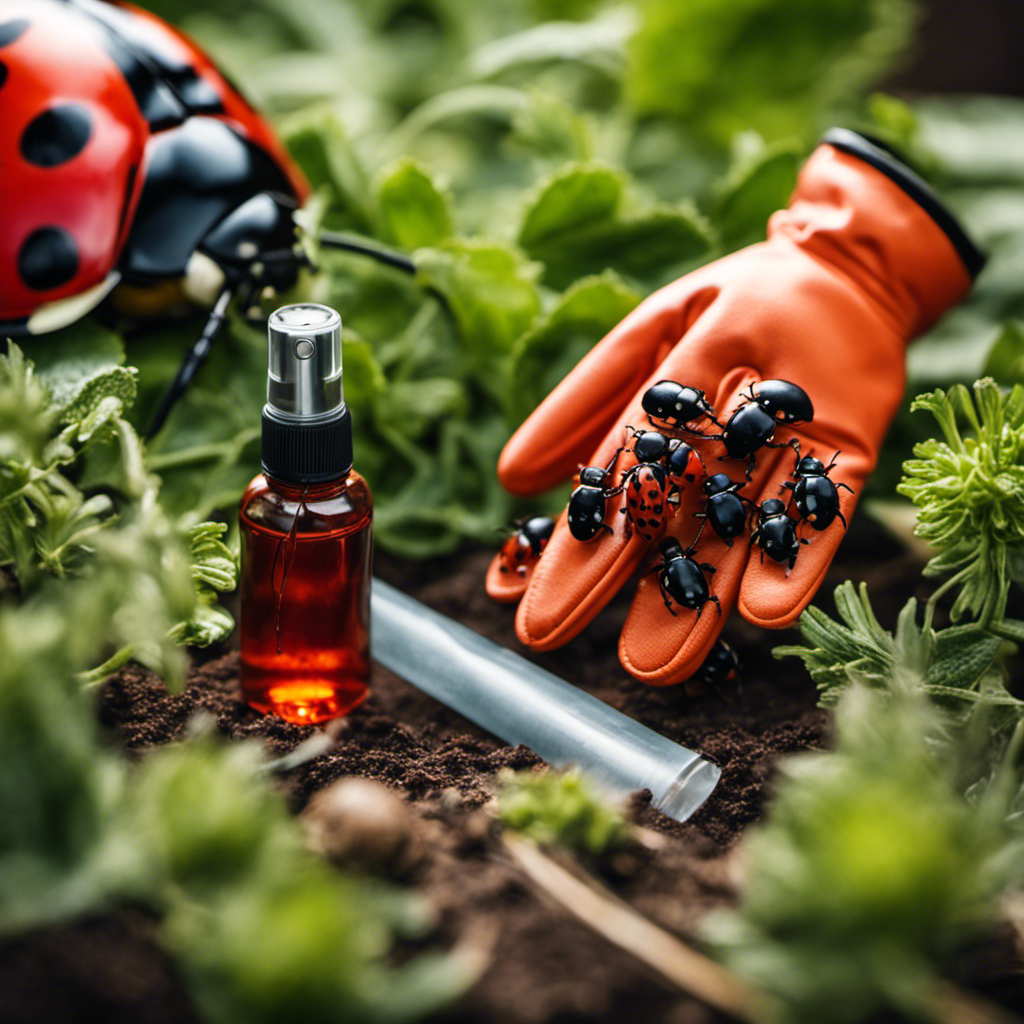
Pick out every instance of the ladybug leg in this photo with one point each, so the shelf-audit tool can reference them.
(193, 361)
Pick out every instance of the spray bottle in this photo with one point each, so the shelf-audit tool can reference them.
(306, 534)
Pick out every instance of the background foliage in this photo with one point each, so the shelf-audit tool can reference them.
(548, 162)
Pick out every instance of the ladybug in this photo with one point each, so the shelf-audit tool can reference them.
(776, 533)
(724, 509)
(752, 426)
(816, 496)
(588, 503)
(647, 484)
(684, 580)
(677, 405)
(524, 547)
(721, 665)
(138, 171)
(684, 465)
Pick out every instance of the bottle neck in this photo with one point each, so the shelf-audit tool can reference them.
(322, 490)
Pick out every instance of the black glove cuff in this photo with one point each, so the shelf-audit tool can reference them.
(882, 158)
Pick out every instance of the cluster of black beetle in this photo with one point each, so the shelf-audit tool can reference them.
(666, 464)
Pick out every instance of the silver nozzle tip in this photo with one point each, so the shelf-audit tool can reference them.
(304, 368)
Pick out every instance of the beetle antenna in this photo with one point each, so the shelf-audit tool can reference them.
(367, 247)
(193, 360)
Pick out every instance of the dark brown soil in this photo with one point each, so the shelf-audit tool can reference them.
(545, 966)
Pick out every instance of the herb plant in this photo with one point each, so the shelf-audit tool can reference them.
(879, 861)
(563, 808)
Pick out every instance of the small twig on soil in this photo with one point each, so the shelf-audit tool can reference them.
(620, 924)
(598, 907)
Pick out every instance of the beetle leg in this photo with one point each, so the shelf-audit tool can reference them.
(665, 597)
(842, 519)
(709, 569)
(847, 486)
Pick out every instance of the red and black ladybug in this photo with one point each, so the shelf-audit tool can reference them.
(129, 162)
(525, 546)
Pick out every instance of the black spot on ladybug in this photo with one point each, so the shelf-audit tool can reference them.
(691, 477)
(632, 502)
(652, 493)
(641, 522)
(657, 509)
(11, 30)
(48, 258)
(56, 135)
(3, 73)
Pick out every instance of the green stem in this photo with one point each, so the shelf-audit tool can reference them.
(929, 608)
(94, 676)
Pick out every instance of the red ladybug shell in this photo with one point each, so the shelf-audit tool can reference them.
(646, 499)
(73, 153)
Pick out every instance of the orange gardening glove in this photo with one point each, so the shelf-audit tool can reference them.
(864, 259)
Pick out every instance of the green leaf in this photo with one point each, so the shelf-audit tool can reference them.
(759, 183)
(320, 145)
(582, 316)
(492, 293)
(784, 60)
(571, 200)
(413, 210)
(579, 223)
(81, 366)
(1005, 362)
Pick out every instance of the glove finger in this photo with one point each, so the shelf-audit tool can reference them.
(581, 410)
(505, 584)
(660, 648)
(770, 595)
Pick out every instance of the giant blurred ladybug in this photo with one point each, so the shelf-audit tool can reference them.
(130, 165)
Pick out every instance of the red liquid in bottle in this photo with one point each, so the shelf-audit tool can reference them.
(305, 596)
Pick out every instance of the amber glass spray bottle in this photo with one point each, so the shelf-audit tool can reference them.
(306, 540)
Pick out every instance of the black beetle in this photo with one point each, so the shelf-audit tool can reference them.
(682, 579)
(724, 508)
(776, 533)
(587, 504)
(720, 666)
(816, 496)
(677, 405)
(530, 538)
(753, 424)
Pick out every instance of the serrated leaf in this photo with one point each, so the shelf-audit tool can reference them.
(579, 223)
(412, 208)
(319, 143)
(573, 199)
(491, 291)
(581, 318)
(963, 654)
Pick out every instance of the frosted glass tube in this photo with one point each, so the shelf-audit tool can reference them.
(522, 703)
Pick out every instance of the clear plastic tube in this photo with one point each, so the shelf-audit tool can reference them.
(522, 703)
